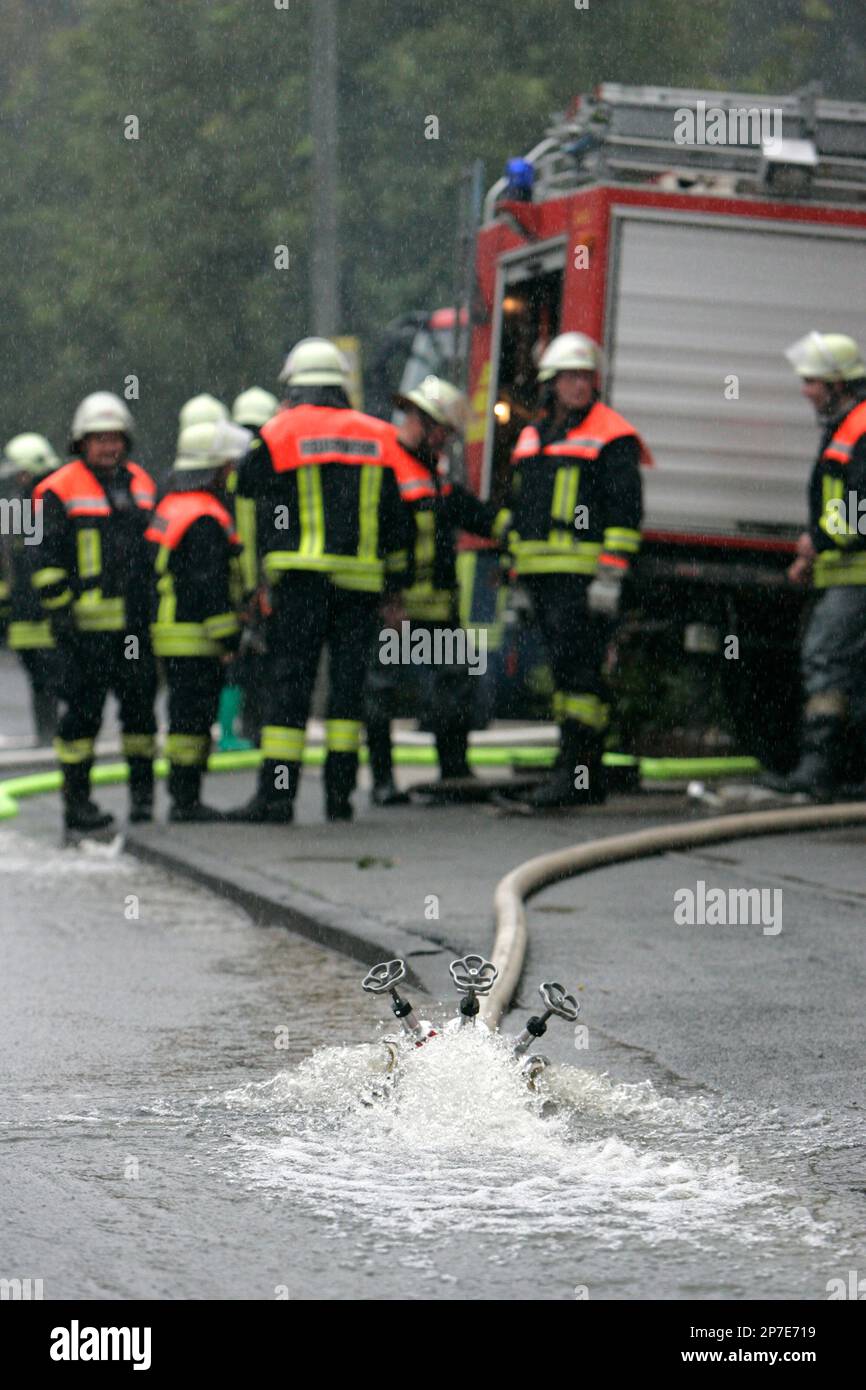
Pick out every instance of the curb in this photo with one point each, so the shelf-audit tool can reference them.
(340, 929)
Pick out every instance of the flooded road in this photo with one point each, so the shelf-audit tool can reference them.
(181, 1116)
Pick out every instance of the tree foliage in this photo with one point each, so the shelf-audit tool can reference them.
(155, 257)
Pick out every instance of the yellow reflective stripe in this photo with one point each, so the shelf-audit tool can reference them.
(356, 583)
(187, 750)
(165, 588)
(278, 561)
(396, 561)
(832, 520)
(501, 523)
(221, 625)
(571, 495)
(558, 703)
(565, 495)
(832, 489)
(368, 513)
(312, 512)
(835, 567)
(467, 566)
(425, 544)
(43, 579)
(547, 547)
(554, 564)
(621, 538)
(428, 604)
(89, 554)
(93, 613)
(343, 735)
(558, 487)
(245, 520)
(28, 636)
(138, 745)
(586, 709)
(281, 744)
(79, 750)
(237, 582)
(318, 507)
(570, 556)
(305, 510)
(61, 601)
(182, 639)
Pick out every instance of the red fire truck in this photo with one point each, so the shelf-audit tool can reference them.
(694, 235)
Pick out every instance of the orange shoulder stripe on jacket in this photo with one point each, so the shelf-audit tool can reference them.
(178, 511)
(841, 446)
(77, 488)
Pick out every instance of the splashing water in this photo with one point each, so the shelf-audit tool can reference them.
(461, 1142)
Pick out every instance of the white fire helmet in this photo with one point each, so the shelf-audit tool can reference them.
(28, 453)
(315, 362)
(438, 399)
(827, 357)
(254, 408)
(570, 352)
(210, 444)
(101, 413)
(202, 410)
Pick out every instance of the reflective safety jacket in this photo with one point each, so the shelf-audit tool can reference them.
(441, 509)
(196, 556)
(837, 492)
(19, 604)
(93, 555)
(329, 501)
(576, 494)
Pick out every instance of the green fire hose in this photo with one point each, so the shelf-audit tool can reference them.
(499, 755)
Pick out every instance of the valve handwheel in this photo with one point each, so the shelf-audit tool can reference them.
(384, 977)
(474, 973)
(558, 1002)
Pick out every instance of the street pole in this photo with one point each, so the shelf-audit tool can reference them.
(323, 114)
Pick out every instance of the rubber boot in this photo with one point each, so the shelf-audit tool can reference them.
(451, 743)
(273, 803)
(385, 792)
(228, 716)
(341, 772)
(44, 705)
(79, 812)
(577, 778)
(818, 772)
(140, 790)
(184, 789)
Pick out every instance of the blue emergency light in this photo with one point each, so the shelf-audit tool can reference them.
(520, 174)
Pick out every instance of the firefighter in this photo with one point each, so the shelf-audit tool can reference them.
(434, 414)
(576, 502)
(833, 554)
(198, 593)
(27, 459)
(336, 537)
(240, 714)
(94, 580)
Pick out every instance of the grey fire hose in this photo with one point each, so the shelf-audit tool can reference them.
(512, 891)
